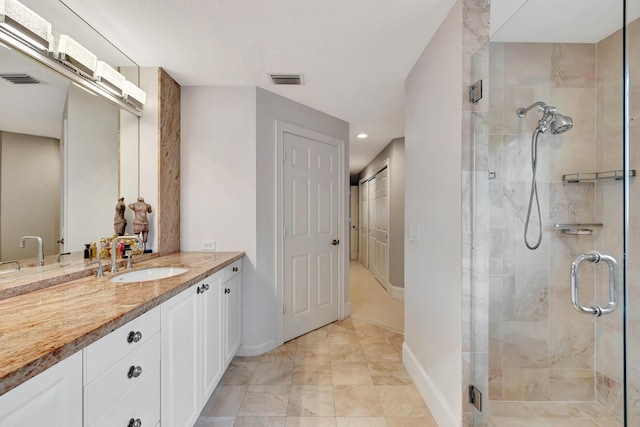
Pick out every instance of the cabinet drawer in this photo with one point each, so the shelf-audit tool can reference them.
(107, 351)
(231, 270)
(101, 394)
(140, 402)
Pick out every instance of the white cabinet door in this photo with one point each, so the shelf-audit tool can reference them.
(232, 303)
(52, 398)
(180, 355)
(211, 307)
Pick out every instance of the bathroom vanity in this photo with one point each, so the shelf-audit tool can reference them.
(93, 352)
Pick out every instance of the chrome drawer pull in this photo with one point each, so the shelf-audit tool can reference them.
(134, 371)
(134, 337)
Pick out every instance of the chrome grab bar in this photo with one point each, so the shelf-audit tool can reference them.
(594, 310)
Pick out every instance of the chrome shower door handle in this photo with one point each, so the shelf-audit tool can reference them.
(594, 310)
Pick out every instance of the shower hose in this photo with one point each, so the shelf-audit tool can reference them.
(534, 193)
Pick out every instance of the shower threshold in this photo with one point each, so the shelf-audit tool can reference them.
(550, 414)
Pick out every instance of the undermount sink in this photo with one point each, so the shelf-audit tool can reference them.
(147, 274)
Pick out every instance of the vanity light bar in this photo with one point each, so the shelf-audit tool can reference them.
(76, 56)
(25, 24)
(108, 77)
(133, 95)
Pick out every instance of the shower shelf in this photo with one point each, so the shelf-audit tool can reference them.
(576, 229)
(596, 176)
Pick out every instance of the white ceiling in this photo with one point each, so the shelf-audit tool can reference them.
(354, 54)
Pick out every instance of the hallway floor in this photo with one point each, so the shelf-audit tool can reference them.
(371, 302)
(346, 374)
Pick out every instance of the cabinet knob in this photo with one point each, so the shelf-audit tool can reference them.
(199, 290)
(134, 336)
(135, 423)
(234, 269)
(206, 287)
(227, 290)
(134, 371)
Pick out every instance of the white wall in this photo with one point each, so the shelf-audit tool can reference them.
(433, 265)
(228, 191)
(218, 187)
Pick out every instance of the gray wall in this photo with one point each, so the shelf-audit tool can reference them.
(395, 153)
(30, 202)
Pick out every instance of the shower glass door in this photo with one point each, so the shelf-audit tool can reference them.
(551, 186)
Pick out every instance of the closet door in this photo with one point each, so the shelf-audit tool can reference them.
(364, 224)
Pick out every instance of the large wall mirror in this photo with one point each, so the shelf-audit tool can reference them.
(66, 155)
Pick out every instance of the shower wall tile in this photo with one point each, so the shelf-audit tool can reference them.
(495, 383)
(495, 345)
(516, 200)
(525, 345)
(516, 159)
(495, 156)
(613, 104)
(613, 360)
(496, 102)
(514, 98)
(609, 57)
(495, 247)
(527, 64)
(572, 384)
(496, 65)
(495, 299)
(518, 259)
(573, 65)
(571, 346)
(560, 307)
(525, 384)
(571, 203)
(633, 354)
(525, 298)
(564, 248)
(612, 152)
(579, 104)
(569, 153)
(609, 393)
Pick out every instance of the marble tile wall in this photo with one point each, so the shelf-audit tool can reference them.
(540, 349)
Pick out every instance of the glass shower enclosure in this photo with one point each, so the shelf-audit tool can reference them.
(556, 210)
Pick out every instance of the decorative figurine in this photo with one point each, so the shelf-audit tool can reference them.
(119, 221)
(140, 221)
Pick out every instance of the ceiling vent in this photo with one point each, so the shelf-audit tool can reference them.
(285, 79)
(20, 79)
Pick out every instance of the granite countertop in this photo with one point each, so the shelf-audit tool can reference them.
(42, 327)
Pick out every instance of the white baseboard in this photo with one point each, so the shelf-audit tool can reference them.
(396, 292)
(437, 404)
(256, 350)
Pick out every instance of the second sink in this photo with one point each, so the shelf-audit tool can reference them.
(147, 274)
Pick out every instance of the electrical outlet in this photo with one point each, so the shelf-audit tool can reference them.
(208, 245)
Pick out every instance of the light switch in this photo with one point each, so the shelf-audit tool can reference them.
(414, 233)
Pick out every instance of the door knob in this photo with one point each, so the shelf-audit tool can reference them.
(335, 242)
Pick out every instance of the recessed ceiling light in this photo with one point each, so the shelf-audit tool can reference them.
(362, 135)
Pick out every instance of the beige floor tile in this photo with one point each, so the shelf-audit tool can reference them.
(389, 373)
(411, 422)
(311, 401)
(344, 338)
(381, 353)
(225, 401)
(576, 422)
(215, 422)
(311, 422)
(401, 401)
(351, 374)
(317, 336)
(341, 327)
(285, 352)
(260, 422)
(313, 353)
(273, 373)
(608, 422)
(520, 422)
(239, 373)
(361, 422)
(346, 353)
(265, 400)
(311, 374)
(357, 401)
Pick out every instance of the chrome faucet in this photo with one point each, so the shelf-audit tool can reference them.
(114, 250)
(17, 264)
(40, 248)
(99, 271)
(61, 255)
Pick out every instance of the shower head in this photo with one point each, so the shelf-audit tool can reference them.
(561, 124)
(551, 119)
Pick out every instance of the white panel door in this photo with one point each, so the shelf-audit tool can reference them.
(354, 216)
(311, 223)
(364, 223)
(381, 228)
(373, 218)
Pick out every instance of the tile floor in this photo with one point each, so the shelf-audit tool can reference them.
(346, 374)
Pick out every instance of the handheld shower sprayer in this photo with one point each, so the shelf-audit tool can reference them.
(557, 123)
